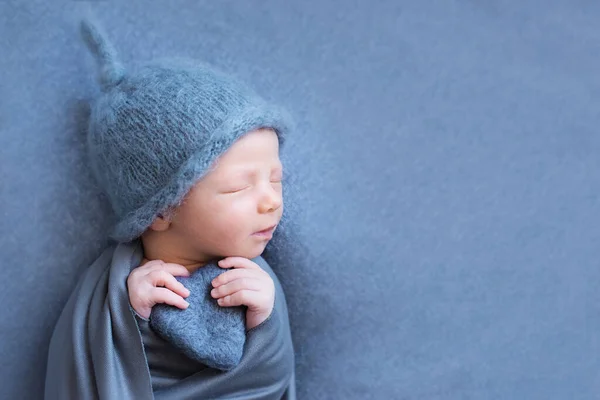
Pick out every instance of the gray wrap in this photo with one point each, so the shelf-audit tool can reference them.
(96, 350)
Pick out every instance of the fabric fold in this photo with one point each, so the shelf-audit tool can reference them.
(96, 350)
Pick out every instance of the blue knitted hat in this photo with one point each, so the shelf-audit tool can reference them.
(154, 133)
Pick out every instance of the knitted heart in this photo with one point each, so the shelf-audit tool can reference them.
(205, 331)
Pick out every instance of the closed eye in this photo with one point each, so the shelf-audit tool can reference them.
(237, 190)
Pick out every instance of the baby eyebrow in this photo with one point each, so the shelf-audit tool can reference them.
(250, 173)
(241, 175)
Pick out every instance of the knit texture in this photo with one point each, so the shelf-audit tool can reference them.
(205, 332)
(154, 133)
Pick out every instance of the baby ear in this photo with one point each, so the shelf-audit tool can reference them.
(162, 222)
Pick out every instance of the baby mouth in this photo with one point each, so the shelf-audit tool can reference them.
(265, 233)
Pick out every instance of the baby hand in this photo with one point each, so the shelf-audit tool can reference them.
(246, 284)
(153, 283)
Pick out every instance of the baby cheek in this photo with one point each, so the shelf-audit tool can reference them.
(234, 220)
(232, 224)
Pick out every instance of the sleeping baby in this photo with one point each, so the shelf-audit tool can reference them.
(182, 305)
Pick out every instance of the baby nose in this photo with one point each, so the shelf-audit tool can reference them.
(271, 201)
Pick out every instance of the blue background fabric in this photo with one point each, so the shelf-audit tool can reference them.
(446, 163)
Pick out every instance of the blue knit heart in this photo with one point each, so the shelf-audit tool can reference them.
(205, 332)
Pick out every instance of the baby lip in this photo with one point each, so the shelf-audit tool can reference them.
(267, 230)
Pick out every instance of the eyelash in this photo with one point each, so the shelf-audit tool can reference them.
(233, 191)
(246, 187)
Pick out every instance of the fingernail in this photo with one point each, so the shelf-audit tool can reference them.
(213, 292)
(187, 304)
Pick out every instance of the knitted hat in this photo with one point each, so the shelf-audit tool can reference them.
(154, 133)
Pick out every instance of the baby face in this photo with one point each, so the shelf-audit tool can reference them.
(234, 209)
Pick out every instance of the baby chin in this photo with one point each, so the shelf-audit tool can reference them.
(254, 246)
(257, 248)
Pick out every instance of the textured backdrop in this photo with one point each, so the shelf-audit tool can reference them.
(446, 164)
